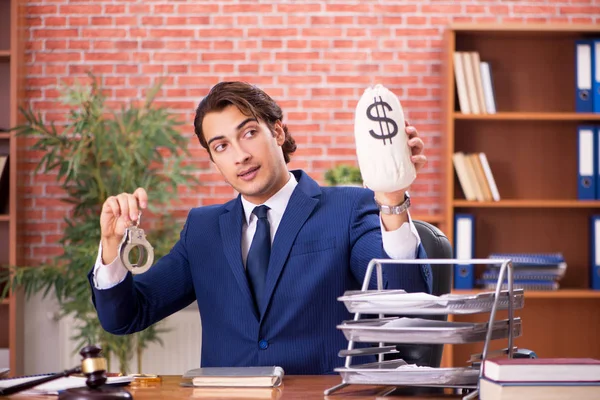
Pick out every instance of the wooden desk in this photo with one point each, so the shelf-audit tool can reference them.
(294, 387)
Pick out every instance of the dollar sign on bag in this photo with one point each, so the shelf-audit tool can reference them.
(383, 120)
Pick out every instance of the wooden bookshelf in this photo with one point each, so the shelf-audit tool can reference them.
(11, 92)
(527, 204)
(531, 146)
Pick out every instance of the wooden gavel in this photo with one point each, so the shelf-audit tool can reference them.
(93, 366)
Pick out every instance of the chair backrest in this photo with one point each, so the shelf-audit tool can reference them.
(436, 245)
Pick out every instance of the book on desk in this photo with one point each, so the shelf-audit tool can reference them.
(270, 376)
(540, 378)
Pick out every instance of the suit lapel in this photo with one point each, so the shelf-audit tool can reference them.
(231, 234)
(298, 210)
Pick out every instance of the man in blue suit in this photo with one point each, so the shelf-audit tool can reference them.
(266, 268)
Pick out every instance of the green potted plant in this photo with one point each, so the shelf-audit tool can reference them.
(101, 152)
(344, 175)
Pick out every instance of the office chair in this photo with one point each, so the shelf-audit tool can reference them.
(438, 246)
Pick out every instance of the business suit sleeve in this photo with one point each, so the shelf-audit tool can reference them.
(140, 301)
(366, 244)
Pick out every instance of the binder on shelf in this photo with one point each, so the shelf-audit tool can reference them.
(595, 252)
(584, 59)
(464, 249)
(597, 161)
(596, 75)
(586, 156)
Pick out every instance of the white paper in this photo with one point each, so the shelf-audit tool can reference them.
(57, 385)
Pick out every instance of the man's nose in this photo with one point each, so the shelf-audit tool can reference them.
(241, 155)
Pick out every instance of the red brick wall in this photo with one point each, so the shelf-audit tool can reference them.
(314, 57)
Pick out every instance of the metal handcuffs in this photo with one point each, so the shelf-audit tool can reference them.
(135, 237)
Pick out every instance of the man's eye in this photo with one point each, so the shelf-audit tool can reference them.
(220, 147)
(250, 133)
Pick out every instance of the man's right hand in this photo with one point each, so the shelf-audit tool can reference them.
(118, 213)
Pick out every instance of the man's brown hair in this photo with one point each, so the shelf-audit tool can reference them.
(251, 101)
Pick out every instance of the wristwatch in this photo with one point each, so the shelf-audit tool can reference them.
(395, 210)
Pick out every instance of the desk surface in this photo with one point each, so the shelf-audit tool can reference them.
(294, 387)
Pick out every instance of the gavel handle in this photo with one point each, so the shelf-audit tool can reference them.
(28, 385)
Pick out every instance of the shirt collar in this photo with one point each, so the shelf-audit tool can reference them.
(277, 203)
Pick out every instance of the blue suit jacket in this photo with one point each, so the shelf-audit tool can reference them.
(322, 247)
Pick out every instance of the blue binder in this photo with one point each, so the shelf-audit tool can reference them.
(464, 248)
(586, 163)
(596, 75)
(584, 68)
(597, 161)
(595, 252)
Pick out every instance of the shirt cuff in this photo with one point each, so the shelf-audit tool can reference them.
(402, 243)
(110, 275)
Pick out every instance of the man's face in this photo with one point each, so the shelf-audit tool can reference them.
(246, 152)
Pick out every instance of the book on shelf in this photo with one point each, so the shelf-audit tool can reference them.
(474, 84)
(471, 82)
(3, 163)
(4, 186)
(475, 176)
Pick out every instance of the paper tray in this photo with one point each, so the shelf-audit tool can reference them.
(417, 330)
(402, 303)
(396, 372)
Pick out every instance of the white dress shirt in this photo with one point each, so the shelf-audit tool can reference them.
(399, 244)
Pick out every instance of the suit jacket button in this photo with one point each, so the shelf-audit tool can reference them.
(263, 344)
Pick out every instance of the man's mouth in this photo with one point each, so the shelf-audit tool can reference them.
(249, 173)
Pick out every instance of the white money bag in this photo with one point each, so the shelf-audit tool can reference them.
(381, 141)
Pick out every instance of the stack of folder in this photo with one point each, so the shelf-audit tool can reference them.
(530, 271)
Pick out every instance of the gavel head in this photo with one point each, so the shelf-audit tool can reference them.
(93, 366)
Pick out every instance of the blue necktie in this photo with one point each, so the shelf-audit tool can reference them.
(259, 254)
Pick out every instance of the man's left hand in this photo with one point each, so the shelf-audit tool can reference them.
(418, 159)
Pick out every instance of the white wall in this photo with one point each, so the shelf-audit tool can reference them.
(48, 349)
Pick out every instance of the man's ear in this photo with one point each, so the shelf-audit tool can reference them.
(279, 133)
